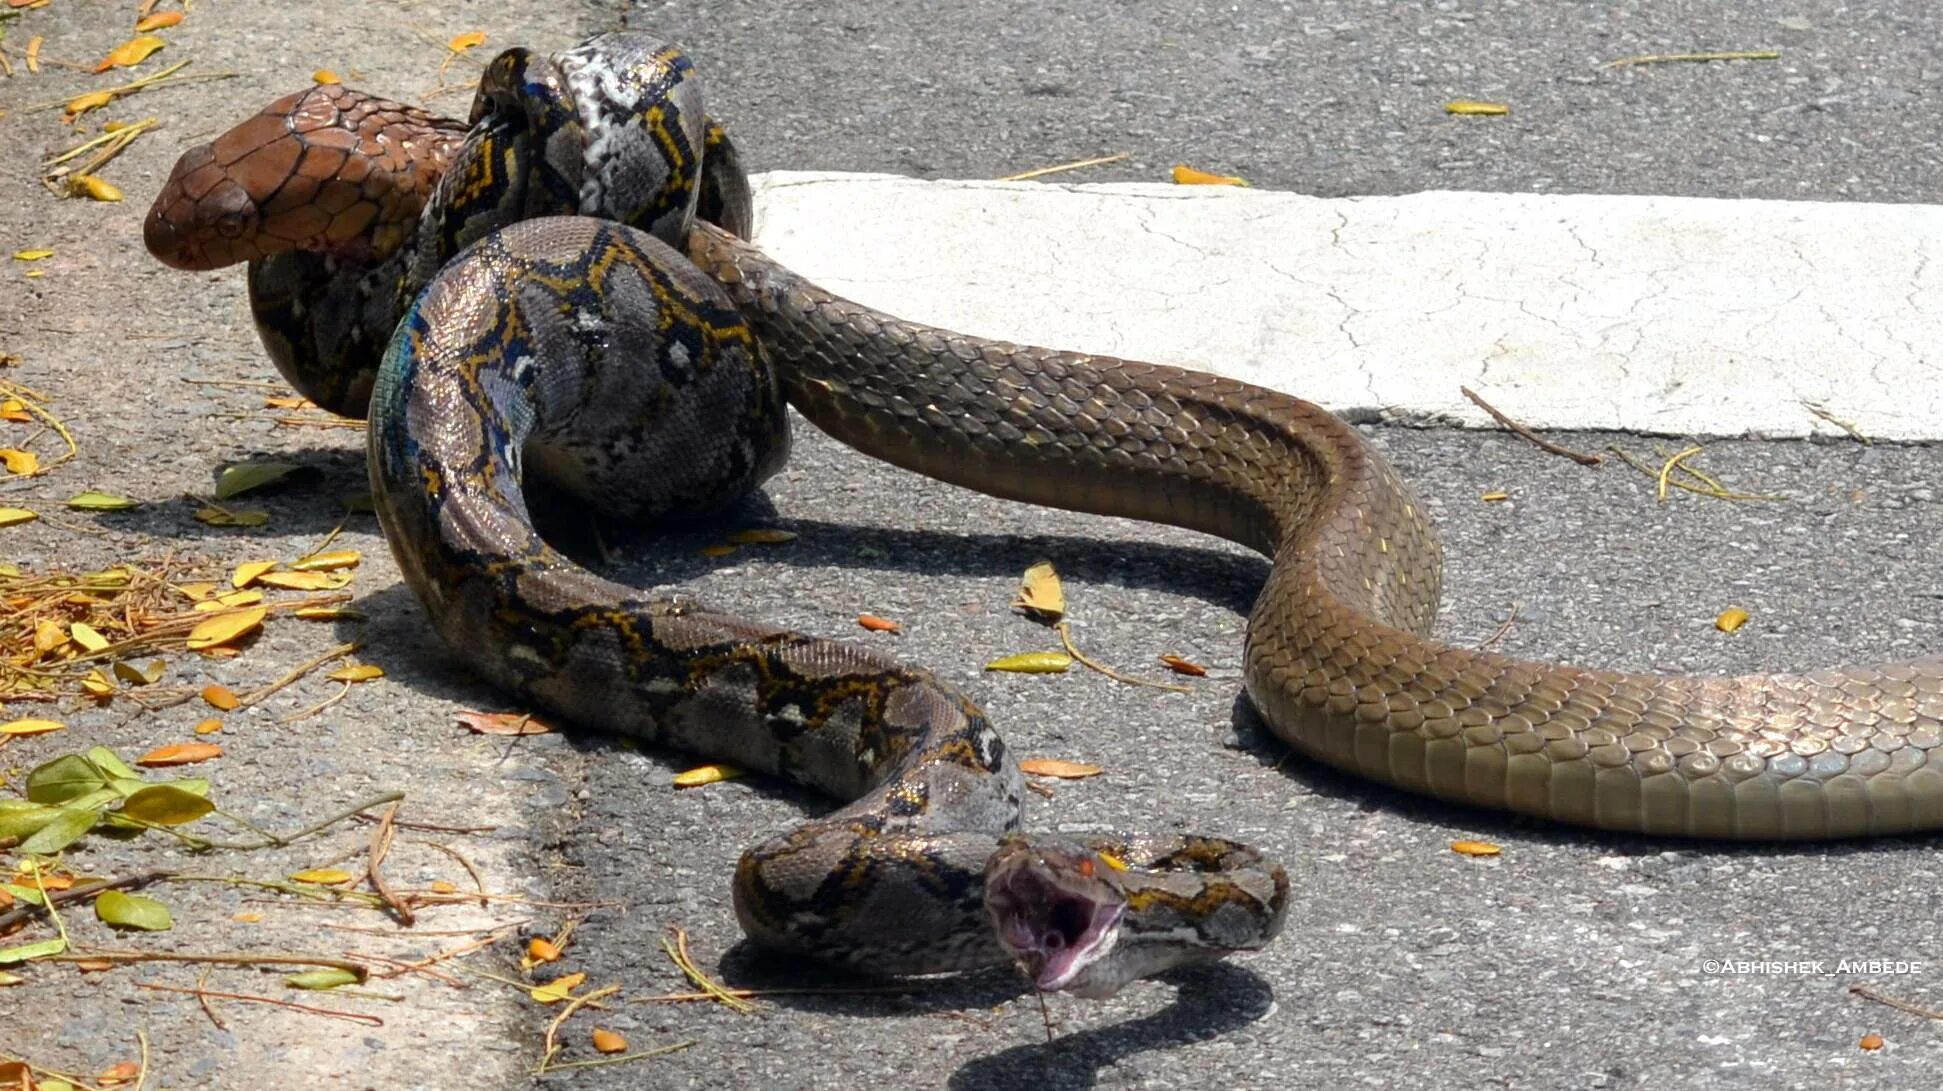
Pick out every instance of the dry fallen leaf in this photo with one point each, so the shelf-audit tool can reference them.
(540, 949)
(469, 40)
(503, 723)
(1494, 496)
(1040, 597)
(1032, 663)
(1469, 106)
(30, 727)
(560, 988)
(130, 53)
(762, 536)
(712, 773)
(1184, 666)
(161, 20)
(209, 727)
(608, 1041)
(1731, 619)
(1061, 768)
(12, 516)
(94, 187)
(719, 549)
(362, 672)
(305, 581)
(1475, 848)
(1185, 175)
(1871, 1042)
(322, 876)
(20, 463)
(224, 628)
(878, 624)
(327, 562)
(179, 753)
(221, 698)
(324, 76)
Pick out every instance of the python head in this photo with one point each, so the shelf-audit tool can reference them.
(1089, 917)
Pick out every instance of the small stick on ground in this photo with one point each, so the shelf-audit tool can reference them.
(380, 845)
(216, 958)
(478, 881)
(1509, 621)
(1671, 58)
(202, 997)
(1869, 992)
(27, 911)
(1846, 426)
(333, 1013)
(1066, 638)
(676, 944)
(1078, 164)
(1528, 435)
(551, 1044)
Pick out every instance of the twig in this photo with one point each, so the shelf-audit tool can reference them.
(202, 998)
(1869, 992)
(1666, 58)
(1041, 172)
(478, 882)
(216, 958)
(405, 967)
(1509, 621)
(26, 911)
(751, 994)
(1527, 434)
(488, 940)
(599, 1062)
(245, 700)
(676, 944)
(375, 858)
(1066, 638)
(1707, 486)
(550, 1047)
(334, 1013)
(1846, 426)
(318, 707)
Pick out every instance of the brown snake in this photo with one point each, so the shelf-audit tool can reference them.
(1337, 657)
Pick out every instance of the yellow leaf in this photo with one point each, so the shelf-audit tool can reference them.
(85, 635)
(1185, 175)
(719, 549)
(1040, 596)
(30, 727)
(363, 672)
(248, 916)
(180, 753)
(158, 21)
(48, 635)
(1731, 619)
(100, 501)
(560, 988)
(220, 698)
(539, 950)
(1467, 106)
(441, 886)
(323, 876)
(1061, 768)
(96, 684)
(608, 1041)
(209, 727)
(305, 581)
(1032, 663)
(762, 536)
(324, 76)
(130, 53)
(228, 600)
(14, 516)
(196, 591)
(93, 100)
(327, 562)
(1494, 496)
(328, 613)
(1475, 848)
(94, 187)
(32, 255)
(19, 462)
(247, 572)
(461, 43)
(706, 774)
(224, 628)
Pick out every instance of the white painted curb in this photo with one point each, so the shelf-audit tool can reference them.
(1659, 314)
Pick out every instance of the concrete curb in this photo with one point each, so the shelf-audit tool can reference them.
(1656, 314)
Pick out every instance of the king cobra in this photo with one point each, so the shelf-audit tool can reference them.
(559, 293)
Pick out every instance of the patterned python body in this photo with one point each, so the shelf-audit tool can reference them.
(505, 357)
(588, 356)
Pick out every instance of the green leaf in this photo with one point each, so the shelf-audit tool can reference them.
(110, 762)
(132, 911)
(100, 501)
(33, 950)
(64, 778)
(321, 979)
(242, 477)
(64, 830)
(166, 805)
(23, 822)
(23, 893)
(1032, 663)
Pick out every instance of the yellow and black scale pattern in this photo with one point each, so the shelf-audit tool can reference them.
(580, 354)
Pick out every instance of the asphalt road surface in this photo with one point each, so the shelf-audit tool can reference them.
(1573, 959)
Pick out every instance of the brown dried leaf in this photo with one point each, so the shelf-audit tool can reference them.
(1184, 666)
(1185, 175)
(503, 723)
(1061, 768)
(179, 753)
(878, 624)
(1040, 596)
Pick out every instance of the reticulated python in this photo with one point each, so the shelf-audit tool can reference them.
(543, 341)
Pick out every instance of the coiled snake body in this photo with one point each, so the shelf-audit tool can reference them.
(596, 358)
